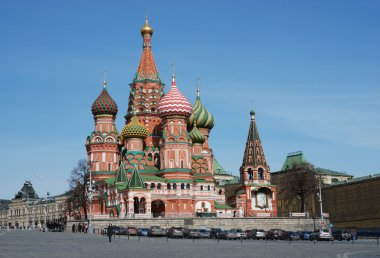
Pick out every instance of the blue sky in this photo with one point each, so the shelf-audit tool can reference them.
(309, 68)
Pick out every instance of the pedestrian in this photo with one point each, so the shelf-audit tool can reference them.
(110, 232)
(79, 227)
(85, 228)
(73, 228)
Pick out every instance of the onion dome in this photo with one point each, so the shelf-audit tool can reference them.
(196, 136)
(104, 104)
(146, 29)
(200, 115)
(174, 102)
(134, 129)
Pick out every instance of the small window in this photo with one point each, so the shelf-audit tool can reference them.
(152, 185)
(261, 174)
(168, 186)
(188, 186)
(208, 188)
(159, 186)
(201, 187)
(182, 186)
(174, 186)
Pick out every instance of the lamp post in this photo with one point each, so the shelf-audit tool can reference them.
(90, 195)
(46, 209)
(178, 195)
(320, 199)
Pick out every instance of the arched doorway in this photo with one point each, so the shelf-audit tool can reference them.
(158, 209)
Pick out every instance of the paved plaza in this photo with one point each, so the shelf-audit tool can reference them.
(20, 243)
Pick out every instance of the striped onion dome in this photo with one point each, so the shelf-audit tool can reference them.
(200, 115)
(174, 102)
(104, 104)
(134, 129)
(196, 136)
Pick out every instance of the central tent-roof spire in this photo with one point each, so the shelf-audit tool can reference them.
(147, 69)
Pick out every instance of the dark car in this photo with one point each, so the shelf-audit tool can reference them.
(293, 235)
(277, 234)
(204, 233)
(251, 234)
(342, 235)
(117, 230)
(175, 232)
(142, 231)
(215, 232)
(228, 234)
(191, 233)
(156, 231)
(305, 235)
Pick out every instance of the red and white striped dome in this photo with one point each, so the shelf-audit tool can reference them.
(174, 103)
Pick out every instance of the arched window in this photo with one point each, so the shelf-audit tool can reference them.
(174, 186)
(201, 187)
(188, 186)
(152, 185)
(150, 156)
(220, 191)
(250, 173)
(145, 185)
(168, 186)
(208, 188)
(182, 186)
(159, 186)
(261, 174)
(157, 160)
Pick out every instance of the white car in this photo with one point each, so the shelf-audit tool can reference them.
(325, 234)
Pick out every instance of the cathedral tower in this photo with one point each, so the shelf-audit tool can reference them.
(175, 109)
(103, 145)
(146, 92)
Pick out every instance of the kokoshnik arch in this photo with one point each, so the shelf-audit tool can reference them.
(161, 164)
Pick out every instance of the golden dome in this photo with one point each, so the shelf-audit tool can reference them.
(146, 29)
(134, 129)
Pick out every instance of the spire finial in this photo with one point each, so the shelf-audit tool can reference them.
(105, 79)
(146, 20)
(198, 91)
(173, 76)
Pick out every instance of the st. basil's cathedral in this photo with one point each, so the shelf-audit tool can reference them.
(161, 164)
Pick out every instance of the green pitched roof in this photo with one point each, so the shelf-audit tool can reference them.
(153, 178)
(294, 158)
(217, 168)
(323, 171)
(110, 181)
(136, 180)
(121, 177)
(222, 206)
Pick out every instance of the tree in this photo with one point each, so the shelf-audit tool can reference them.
(298, 182)
(77, 201)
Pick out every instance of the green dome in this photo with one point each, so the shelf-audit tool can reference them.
(203, 118)
(134, 129)
(196, 136)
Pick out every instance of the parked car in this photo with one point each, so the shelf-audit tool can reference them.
(342, 235)
(251, 234)
(132, 231)
(191, 233)
(119, 230)
(325, 234)
(261, 234)
(239, 233)
(215, 232)
(228, 234)
(142, 231)
(175, 232)
(322, 234)
(293, 235)
(305, 235)
(204, 233)
(277, 234)
(156, 231)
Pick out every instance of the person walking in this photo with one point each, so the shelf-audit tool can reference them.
(110, 232)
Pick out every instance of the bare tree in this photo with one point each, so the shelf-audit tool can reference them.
(298, 182)
(77, 200)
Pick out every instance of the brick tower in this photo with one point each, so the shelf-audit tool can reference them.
(103, 145)
(146, 92)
